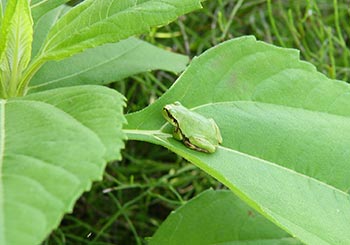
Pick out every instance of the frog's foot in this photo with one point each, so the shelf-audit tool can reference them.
(200, 144)
(177, 134)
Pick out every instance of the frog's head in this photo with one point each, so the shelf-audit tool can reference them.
(171, 111)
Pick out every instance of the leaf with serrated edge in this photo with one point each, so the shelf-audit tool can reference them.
(106, 111)
(96, 22)
(285, 131)
(54, 145)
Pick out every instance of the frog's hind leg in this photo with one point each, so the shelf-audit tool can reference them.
(201, 144)
(192, 146)
(217, 130)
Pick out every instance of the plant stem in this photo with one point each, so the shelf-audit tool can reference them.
(28, 74)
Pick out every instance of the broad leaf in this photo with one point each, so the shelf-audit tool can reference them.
(54, 145)
(285, 131)
(15, 45)
(105, 64)
(223, 218)
(96, 22)
(103, 116)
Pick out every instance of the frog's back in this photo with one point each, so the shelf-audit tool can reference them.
(198, 125)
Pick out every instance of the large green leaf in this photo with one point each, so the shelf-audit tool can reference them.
(285, 131)
(103, 116)
(223, 218)
(96, 22)
(53, 144)
(105, 64)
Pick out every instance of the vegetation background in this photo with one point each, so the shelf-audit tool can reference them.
(138, 193)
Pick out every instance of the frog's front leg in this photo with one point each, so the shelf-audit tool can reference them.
(177, 134)
(201, 144)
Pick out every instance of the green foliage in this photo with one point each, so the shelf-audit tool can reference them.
(310, 26)
(52, 152)
(96, 22)
(88, 25)
(285, 126)
(56, 142)
(143, 188)
(270, 121)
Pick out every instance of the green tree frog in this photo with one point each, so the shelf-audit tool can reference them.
(194, 130)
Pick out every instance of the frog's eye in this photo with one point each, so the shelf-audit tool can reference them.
(177, 103)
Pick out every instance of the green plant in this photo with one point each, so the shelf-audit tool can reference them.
(285, 134)
(56, 142)
(284, 151)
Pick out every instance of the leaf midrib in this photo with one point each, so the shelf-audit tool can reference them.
(154, 133)
(139, 125)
